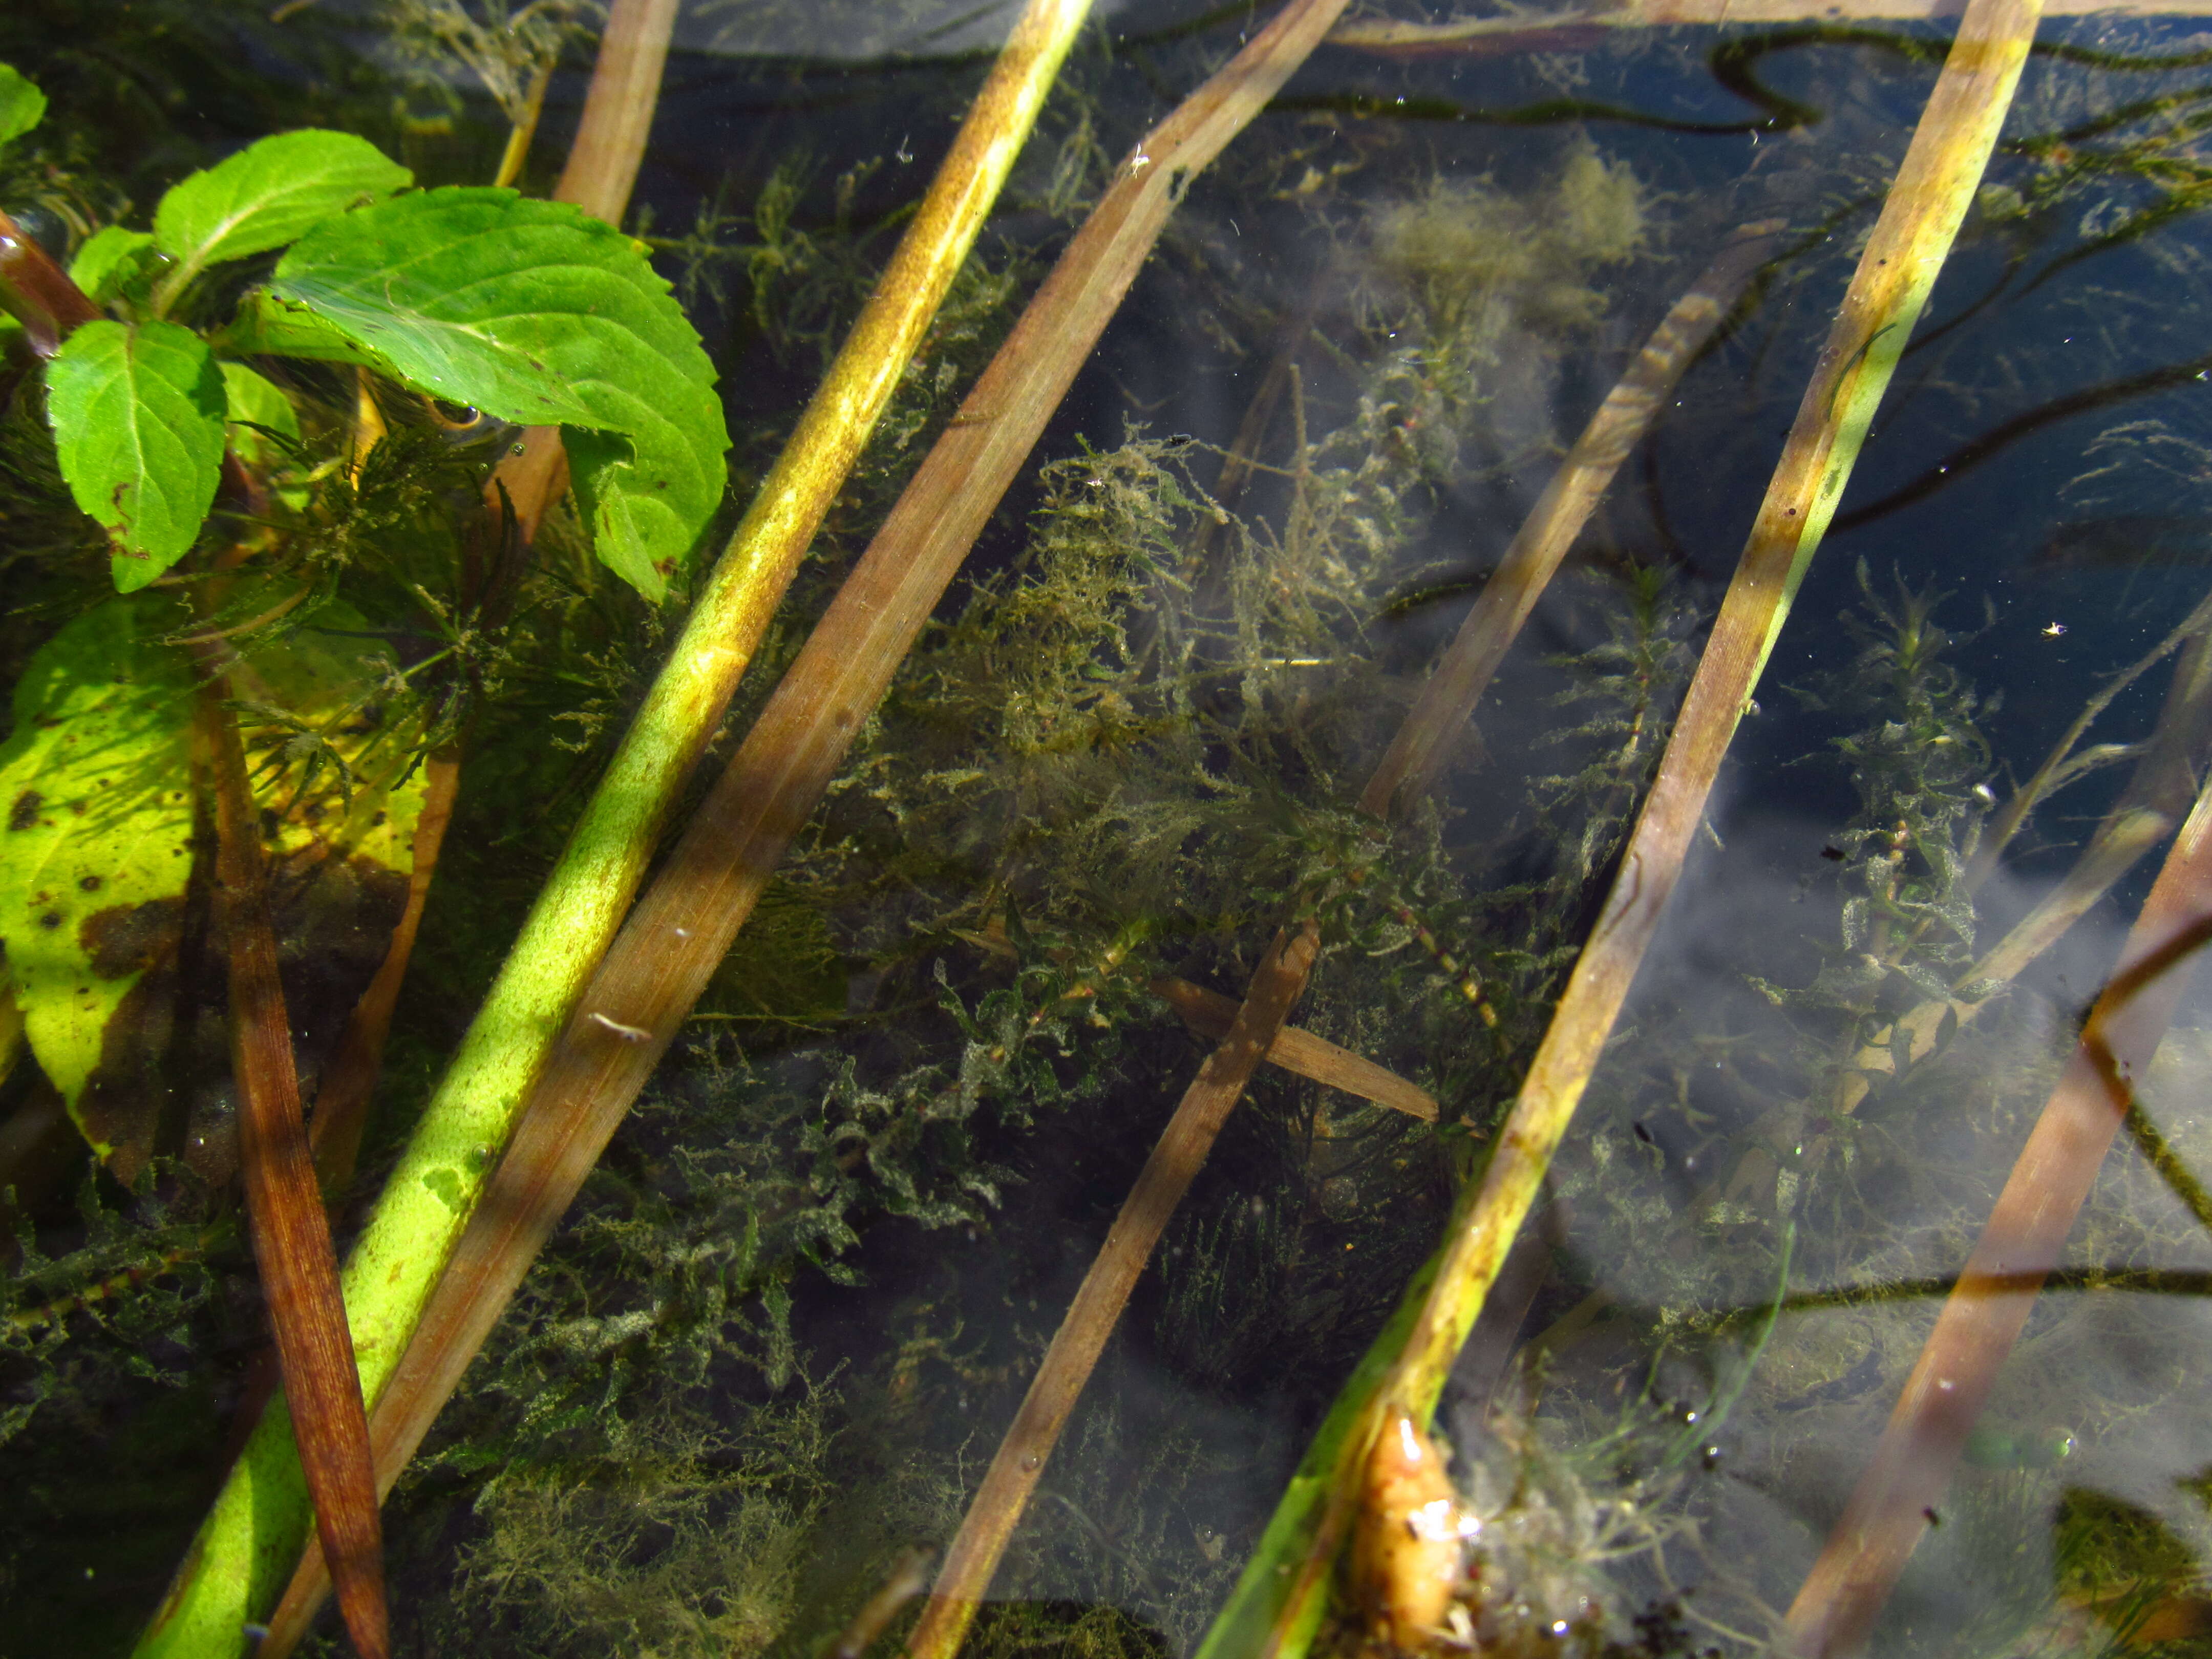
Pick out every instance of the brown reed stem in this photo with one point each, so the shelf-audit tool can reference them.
(1175, 1161)
(1447, 699)
(291, 1235)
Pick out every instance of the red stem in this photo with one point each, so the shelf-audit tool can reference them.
(38, 291)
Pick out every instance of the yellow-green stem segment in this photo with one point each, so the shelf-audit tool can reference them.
(252, 1539)
(1278, 1602)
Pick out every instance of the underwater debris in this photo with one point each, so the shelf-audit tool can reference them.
(1409, 1536)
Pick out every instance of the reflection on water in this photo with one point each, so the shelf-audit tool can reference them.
(771, 1352)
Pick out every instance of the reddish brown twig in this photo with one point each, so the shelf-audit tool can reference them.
(291, 1235)
(1913, 1464)
(1212, 1014)
(349, 1078)
(39, 292)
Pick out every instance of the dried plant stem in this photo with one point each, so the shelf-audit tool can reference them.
(291, 1235)
(1212, 1014)
(1447, 700)
(1175, 1162)
(1530, 31)
(682, 926)
(1279, 1599)
(618, 109)
(1913, 1464)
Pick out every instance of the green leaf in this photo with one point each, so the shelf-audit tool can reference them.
(533, 312)
(267, 195)
(268, 326)
(251, 398)
(111, 258)
(95, 844)
(22, 106)
(138, 416)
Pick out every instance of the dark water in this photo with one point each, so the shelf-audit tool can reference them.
(750, 1374)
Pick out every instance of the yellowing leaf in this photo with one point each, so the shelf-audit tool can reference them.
(95, 844)
(96, 854)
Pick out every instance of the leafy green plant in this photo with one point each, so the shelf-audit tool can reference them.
(528, 312)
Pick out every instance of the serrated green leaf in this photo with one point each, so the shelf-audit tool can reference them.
(22, 106)
(535, 313)
(109, 259)
(250, 398)
(267, 194)
(96, 842)
(138, 415)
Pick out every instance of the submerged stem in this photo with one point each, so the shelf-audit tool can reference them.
(291, 1235)
(1926, 1435)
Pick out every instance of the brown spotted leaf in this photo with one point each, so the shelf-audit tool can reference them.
(95, 840)
(122, 999)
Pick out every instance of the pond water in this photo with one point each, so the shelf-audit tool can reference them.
(758, 1372)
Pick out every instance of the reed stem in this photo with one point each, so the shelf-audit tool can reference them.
(291, 1234)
